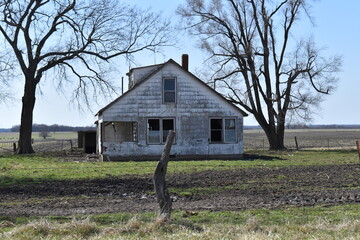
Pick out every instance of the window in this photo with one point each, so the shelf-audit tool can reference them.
(222, 130)
(216, 130)
(168, 124)
(230, 133)
(153, 130)
(158, 130)
(169, 90)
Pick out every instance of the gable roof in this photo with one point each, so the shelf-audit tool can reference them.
(158, 67)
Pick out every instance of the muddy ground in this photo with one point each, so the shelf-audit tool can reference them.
(236, 189)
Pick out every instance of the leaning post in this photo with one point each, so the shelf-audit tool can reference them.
(358, 147)
(296, 144)
(161, 191)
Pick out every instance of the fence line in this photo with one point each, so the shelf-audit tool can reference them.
(41, 145)
(298, 143)
(250, 143)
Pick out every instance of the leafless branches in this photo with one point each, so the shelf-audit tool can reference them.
(6, 73)
(70, 41)
(77, 37)
(251, 44)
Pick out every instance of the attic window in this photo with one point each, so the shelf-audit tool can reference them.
(169, 90)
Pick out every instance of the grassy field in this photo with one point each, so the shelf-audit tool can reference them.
(318, 222)
(57, 141)
(14, 136)
(21, 169)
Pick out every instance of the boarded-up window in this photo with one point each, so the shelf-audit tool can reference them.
(169, 90)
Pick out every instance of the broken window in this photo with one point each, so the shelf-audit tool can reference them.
(169, 90)
(158, 130)
(230, 133)
(222, 130)
(154, 130)
(168, 124)
(216, 130)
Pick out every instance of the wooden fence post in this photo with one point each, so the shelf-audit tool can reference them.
(358, 147)
(296, 143)
(162, 194)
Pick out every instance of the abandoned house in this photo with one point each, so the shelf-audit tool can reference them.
(167, 97)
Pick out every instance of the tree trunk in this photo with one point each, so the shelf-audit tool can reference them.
(162, 194)
(275, 138)
(28, 103)
(274, 133)
(276, 142)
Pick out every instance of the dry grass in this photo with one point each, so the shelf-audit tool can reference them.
(46, 229)
(178, 229)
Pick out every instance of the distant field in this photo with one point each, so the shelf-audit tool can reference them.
(13, 136)
(253, 139)
(306, 138)
(57, 141)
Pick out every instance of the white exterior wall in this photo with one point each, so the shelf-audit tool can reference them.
(195, 105)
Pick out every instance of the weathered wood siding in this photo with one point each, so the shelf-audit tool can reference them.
(195, 105)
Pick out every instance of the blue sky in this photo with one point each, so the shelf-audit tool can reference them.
(337, 29)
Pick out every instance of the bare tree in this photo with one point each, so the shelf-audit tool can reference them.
(258, 60)
(44, 134)
(70, 40)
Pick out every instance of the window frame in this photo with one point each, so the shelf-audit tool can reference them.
(212, 130)
(148, 130)
(234, 129)
(161, 130)
(223, 130)
(164, 91)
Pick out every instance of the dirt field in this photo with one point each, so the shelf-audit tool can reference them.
(260, 187)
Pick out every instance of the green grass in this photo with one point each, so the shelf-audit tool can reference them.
(319, 222)
(21, 169)
(339, 222)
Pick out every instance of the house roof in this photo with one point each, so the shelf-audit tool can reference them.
(158, 67)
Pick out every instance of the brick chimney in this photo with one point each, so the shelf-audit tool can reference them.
(185, 62)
